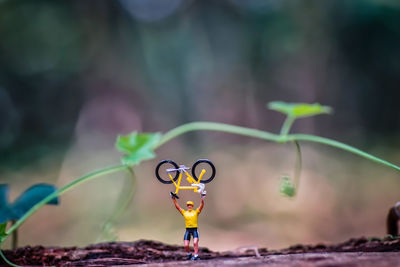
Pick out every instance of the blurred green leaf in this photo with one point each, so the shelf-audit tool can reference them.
(24, 202)
(3, 234)
(137, 146)
(4, 208)
(298, 110)
(287, 187)
(30, 197)
(3, 195)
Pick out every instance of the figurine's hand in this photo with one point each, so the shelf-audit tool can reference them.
(203, 195)
(173, 195)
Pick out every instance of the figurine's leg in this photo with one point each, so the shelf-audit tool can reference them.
(196, 246)
(186, 241)
(186, 244)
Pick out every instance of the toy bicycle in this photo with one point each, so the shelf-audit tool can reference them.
(174, 175)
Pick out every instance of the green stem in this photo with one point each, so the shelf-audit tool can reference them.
(124, 200)
(64, 189)
(221, 127)
(287, 125)
(298, 167)
(333, 143)
(7, 261)
(14, 243)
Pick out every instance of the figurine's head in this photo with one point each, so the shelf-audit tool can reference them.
(189, 205)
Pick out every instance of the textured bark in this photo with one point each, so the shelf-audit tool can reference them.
(386, 252)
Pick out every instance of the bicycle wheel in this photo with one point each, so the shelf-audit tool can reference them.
(199, 166)
(162, 174)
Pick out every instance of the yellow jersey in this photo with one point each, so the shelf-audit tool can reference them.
(190, 217)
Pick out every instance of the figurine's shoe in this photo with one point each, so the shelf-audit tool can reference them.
(195, 258)
(189, 256)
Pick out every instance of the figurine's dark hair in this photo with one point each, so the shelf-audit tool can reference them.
(391, 222)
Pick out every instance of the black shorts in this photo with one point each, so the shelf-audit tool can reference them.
(191, 232)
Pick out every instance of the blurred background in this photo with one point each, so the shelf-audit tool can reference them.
(75, 74)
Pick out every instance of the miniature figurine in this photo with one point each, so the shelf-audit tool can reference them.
(392, 219)
(190, 216)
(168, 172)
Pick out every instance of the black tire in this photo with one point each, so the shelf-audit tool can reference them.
(211, 176)
(166, 180)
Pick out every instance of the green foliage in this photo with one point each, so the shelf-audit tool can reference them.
(286, 187)
(299, 110)
(28, 199)
(294, 111)
(3, 235)
(137, 146)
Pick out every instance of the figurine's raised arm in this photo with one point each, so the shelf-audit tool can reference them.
(203, 196)
(176, 204)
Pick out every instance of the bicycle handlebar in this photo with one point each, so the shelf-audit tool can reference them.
(182, 168)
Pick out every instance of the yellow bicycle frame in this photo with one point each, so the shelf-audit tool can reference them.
(189, 178)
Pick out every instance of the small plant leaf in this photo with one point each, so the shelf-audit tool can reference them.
(137, 146)
(299, 110)
(286, 187)
(30, 197)
(3, 235)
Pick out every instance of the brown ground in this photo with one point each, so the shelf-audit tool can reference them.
(354, 252)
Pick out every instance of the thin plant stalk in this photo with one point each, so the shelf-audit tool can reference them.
(124, 200)
(287, 125)
(65, 189)
(14, 242)
(7, 261)
(218, 127)
(298, 166)
(339, 145)
(221, 127)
